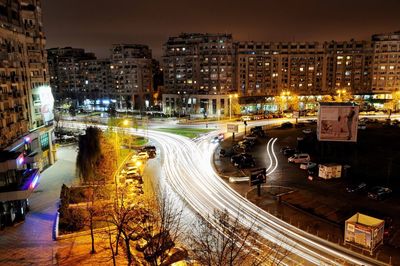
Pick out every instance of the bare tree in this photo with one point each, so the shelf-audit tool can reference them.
(222, 240)
(164, 226)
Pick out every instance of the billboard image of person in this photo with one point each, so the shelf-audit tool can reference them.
(337, 122)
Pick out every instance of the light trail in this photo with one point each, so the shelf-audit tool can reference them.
(188, 170)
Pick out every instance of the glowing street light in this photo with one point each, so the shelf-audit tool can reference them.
(340, 92)
(230, 104)
(286, 94)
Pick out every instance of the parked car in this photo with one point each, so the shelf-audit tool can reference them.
(299, 158)
(286, 125)
(150, 150)
(142, 156)
(289, 151)
(246, 162)
(379, 193)
(246, 118)
(236, 158)
(356, 187)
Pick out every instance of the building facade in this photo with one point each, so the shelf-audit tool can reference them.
(131, 69)
(66, 74)
(26, 106)
(262, 71)
(199, 64)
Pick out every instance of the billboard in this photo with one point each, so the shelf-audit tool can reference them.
(337, 122)
(46, 102)
(232, 128)
(258, 177)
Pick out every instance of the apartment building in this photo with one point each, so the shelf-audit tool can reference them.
(97, 80)
(66, 73)
(386, 63)
(26, 106)
(131, 69)
(199, 67)
(303, 68)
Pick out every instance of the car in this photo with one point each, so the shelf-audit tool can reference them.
(215, 139)
(299, 158)
(236, 158)
(174, 255)
(362, 126)
(379, 193)
(148, 148)
(142, 156)
(286, 125)
(356, 187)
(245, 162)
(307, 131)
(245, 118)
(289, 152)
(250, 137)
(142, 244)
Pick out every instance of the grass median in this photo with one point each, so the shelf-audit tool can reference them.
(186, 132)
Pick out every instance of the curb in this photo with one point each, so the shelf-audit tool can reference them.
(55, 226)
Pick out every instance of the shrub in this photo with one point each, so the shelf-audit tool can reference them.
(73, 220)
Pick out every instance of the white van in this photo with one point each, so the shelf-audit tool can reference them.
(299, 158)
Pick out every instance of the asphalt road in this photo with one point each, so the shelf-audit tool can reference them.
(31, 242)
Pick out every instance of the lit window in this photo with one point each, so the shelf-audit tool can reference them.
(311, 68)
(301, 69)
(183, 49)
(339, 57)
(383, 67)
(391, 67)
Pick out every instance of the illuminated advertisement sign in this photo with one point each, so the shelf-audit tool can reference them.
(46, 103)
(337, 122)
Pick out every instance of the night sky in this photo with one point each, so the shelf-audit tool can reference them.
(96, 24)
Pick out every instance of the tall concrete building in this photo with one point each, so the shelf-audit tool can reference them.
(199, 73)
(131, 69)
(303, 68)
(66, 74)
(386, 63)
(199, 64)
(26, 106)
(97, 82)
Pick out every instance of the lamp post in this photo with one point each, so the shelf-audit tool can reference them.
(286, 94)
(125, 122)
(340, 92)
(230, 104)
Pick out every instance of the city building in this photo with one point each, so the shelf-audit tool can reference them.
(385, 66)
(66, 73)
(97, 82)
(131, 69)
(26, 104)
(200, 67)
(266, 73)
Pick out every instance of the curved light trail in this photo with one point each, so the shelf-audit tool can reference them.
(187, 169)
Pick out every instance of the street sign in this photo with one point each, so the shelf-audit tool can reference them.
(296, 114)
(232, 128)
(258, 177)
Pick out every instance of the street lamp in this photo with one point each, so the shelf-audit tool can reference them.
(230, 104)
(286, 94)
(340, 92)
(125, 122)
